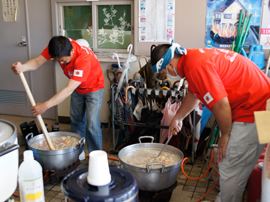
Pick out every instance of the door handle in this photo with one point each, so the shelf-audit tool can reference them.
(23, 43)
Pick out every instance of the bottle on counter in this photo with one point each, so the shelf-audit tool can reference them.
(31, 179)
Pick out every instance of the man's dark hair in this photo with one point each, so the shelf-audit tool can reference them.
(158, 51)
(59, 46)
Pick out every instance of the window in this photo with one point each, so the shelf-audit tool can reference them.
(227, 16)
(105, 25)
(77, 22)
(114, 26)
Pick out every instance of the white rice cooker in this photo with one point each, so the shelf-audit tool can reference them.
(9, 159)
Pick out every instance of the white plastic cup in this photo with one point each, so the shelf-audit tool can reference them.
(98, 169)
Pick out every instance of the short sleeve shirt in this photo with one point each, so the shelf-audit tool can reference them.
(213, 74)
(84, 67)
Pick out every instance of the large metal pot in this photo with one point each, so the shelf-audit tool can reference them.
(56, 159)
(9, 159)
(152, 179)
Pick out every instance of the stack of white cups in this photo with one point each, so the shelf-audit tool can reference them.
(98, 169)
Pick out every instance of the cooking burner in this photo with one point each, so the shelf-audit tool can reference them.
(54, 176)
(163, 195)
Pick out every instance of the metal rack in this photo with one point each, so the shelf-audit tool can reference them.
(147, 91)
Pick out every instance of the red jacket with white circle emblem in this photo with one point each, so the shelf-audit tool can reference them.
(84, 67)
(213, 74)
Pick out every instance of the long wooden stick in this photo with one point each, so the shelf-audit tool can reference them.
(39, 118)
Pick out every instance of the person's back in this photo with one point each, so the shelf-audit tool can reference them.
(232, 87)
(84, 67)
(223, 73)
(84, 56)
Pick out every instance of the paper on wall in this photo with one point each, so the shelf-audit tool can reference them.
(265, 28)
(10, 10)
(156, 20)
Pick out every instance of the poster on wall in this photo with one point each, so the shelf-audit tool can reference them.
(265, 29)
(222, 18)
(9, 10)
(156, 20)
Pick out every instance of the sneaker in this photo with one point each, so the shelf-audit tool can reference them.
(82, 156)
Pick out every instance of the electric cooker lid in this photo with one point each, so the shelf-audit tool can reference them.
(123, 185)
(7, 130)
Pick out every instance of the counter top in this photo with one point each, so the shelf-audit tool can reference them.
(108, 58)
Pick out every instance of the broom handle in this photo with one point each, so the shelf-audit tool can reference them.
(239, 29)
(39, 118)
(241, 35)
(246, 31)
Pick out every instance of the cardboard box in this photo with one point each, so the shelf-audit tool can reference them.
(262, 120)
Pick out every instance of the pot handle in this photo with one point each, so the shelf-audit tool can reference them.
(9, 149)
(27, 137)
(151, 164)
(151, 137)
(81, 142)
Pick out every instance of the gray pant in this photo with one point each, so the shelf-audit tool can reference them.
(242, 154)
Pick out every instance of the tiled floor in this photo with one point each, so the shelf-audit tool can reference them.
(186, 191)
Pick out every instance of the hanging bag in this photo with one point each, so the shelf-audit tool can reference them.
(169, 112)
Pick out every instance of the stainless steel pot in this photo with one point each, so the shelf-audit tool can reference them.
(56, 159)
(9, 159)
(152, 179)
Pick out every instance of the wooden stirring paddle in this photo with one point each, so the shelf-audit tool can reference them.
(39, 118)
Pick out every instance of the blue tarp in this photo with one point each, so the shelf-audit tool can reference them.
(205, 117)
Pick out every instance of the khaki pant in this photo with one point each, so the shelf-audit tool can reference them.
(242, 154)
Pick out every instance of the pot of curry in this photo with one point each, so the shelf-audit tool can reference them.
(67, 149)
(152, 173)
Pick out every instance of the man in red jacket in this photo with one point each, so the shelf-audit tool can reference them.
(232, 87)
(85, 85)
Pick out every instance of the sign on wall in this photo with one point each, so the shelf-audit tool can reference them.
(156, 20)
(222, 19)
(265, 29)
(9, 10)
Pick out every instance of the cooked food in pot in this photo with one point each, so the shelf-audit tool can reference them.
(62, 142)
(140, 158)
